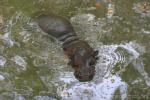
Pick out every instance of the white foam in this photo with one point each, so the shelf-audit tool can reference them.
(100, 91)
(43, 98)
(106, 88)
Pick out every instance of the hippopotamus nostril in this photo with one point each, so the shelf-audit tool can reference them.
(91, 63)
(91, 77)
(85, 74)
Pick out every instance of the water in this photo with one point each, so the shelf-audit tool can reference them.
(33, 66)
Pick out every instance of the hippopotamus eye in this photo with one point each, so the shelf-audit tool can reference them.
(91, 63)
(97, 58)
(95, 53)
(75, 66)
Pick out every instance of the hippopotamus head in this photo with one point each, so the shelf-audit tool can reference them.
(84, 63)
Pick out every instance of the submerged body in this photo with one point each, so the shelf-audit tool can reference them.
(82, 56)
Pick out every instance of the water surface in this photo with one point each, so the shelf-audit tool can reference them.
(33, 66)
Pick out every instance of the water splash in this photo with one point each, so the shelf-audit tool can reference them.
(104, 85)
(110, 56)
(136, 61)
(92, 91)
(2, 77)
(67, 77)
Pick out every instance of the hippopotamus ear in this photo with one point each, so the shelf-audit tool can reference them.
(95, 54)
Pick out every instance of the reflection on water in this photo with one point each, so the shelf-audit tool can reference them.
(33, 66)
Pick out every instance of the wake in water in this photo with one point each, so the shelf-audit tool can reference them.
(106, 83)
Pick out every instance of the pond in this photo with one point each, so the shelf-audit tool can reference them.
(33, 65)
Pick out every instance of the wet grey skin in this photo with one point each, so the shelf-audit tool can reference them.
(81, 56)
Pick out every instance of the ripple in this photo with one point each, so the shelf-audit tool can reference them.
(6, 38)
(8, 27)
(40, 61)
(110, 55)
(117, 55)
(25, 36)
(20, 61)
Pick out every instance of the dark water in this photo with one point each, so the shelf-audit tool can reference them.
(33, 66)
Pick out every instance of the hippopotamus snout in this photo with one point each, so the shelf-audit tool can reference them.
(85, 74)
(86, 71)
